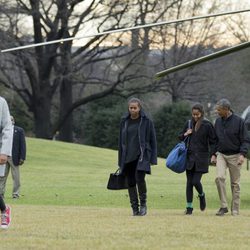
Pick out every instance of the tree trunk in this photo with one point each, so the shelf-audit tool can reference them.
(175, 97)
(65, 103)
(65, 133)
(42, 117)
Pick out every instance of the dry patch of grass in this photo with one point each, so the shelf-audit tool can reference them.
(65, 205)
(71, 227)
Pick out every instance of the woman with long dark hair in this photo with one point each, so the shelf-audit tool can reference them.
(137, 150)
(201, 141)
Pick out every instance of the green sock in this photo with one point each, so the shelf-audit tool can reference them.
(190, 204)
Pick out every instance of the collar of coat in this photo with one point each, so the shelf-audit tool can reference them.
(127, 115)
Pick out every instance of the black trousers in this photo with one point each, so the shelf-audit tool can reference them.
(193, 180)
(134, 176)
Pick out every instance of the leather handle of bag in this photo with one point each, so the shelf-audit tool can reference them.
(188, 137)
(189, 127)
(117, 172)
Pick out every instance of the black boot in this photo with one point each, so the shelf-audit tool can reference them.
(133, 196)
(202, 202)
(142, 189)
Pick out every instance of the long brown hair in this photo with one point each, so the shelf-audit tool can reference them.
(199, 107)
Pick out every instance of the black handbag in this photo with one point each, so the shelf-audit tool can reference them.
(117, 181)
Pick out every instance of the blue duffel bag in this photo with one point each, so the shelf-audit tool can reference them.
(176, 160)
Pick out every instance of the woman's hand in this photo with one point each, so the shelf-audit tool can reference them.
(213, 159)
(241, 160)
(188, 132)
(3, 159)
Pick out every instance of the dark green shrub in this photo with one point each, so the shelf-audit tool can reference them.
(169, 121)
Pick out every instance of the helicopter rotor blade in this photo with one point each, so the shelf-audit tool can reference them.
(123, 30)
(203, 59)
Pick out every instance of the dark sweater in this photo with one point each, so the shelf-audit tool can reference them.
(232, 135)
(147, 143)
(133, 146)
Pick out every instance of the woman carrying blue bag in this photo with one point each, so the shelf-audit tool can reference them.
(202, 139)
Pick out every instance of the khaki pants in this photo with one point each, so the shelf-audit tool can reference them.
(230, 162)
(15, 176)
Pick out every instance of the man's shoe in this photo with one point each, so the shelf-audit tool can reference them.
(6, 218)
(189, 211)
(202, 202)
(15, 196)
(235, 213)
(222, 211)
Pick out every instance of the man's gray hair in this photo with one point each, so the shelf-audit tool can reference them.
(224, 103)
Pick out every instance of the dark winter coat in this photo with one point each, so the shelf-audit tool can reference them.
(19, 146)
(201, 145)
(232, 135)
(147, 142)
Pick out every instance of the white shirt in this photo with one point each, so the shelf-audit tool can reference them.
(6, 128)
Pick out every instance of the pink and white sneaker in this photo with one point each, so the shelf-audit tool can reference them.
(6, 218)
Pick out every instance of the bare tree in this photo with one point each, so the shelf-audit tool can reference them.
(186, 41)
(93, 70)
(47, 68)
(56, 79)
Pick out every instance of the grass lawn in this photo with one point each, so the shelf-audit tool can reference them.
(65, 205)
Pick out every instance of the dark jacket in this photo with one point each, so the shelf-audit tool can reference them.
(232, 135)
(201, 145)
(147, 142)
(19, 146)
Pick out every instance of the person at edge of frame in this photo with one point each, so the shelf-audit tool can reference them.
(231, 149)
(201, 141)
(15, 161)
(6, 137)
(137, 151)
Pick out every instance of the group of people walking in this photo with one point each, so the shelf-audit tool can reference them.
(225, 144)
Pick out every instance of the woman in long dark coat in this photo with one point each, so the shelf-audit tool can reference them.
(137, 150)
(201, 141)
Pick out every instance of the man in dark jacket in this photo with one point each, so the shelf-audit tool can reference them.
(231, 150)
(17, 159)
